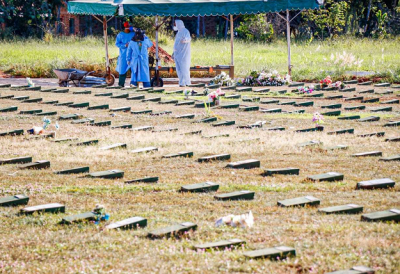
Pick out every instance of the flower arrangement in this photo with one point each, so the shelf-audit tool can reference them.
(318, 119)
(223, 79)
(326, 82)
(214, 96)
(339, 85)
(306, 90)
(264, 79)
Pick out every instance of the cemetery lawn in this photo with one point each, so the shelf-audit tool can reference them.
(311, 61)
(323, 243)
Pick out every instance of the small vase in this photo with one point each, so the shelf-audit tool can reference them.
(216, 102)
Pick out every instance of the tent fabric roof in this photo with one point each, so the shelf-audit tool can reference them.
(186, 7)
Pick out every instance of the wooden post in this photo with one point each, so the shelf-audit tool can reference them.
(288, 42)
(232, 66)
(156, 72)
(106, 44)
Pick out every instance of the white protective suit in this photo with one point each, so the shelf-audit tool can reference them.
(182, 53)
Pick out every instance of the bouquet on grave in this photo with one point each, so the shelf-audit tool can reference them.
(101, 214)
(339, 85)
(306, 90)
(223, 79)
(245, 220)
(214, 96)
(264, 78)
(318, 119)
(326, 82)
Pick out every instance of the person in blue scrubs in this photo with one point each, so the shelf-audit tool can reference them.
(137, 58)
(123, 39)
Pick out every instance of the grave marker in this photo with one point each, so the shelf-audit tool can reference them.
(252, 108)
(52, 102)
(333, 97)
(166, 112)
(20, 98)
(157, 90)
(281, 171)
(143, 180)
(327, 177)
(369, 119)
(15, 200)
(120, 96)
(233, 96)
(301, 201)
(102, 124)
(386, 159)
(64, 140)
(46, 208)
(215, 136)
(143, 128)
(33, 111)
(380, 85)
(377, 134)
(246, 164)
(125, 126)
(186, 154)
(106, 106)
(394, 139)
(229, 106)
(19, 160)
(382, 216)
(251, 99)
(332, 113)
(343, 209)
(273, 101)
(276, 129)
(106, 94)
(392, 124)
(202, 104)
(75, 170)
(382, 109)
(343, 147)
(201, 187)
(242, 89)
(109, 174)
(185, 103)
(86, 143)
(367, 91)
(6, 97)
(262, 90)
(221, 244)
(137, 112)
(355, 270)
(313, 129)
(287, 103)
(199, 85)
(9, 109)
(367, 83)
(174, 230)
(332, 106)
(146, 149)
(355, 98)
(278, 252)
(347, 90)
(309, 143)
(137, 97)
(154, 99)
(376, 184)
(371, 100)
(394, 101)
(165, 130)
(61, 91)
(79, 218)
(304, 104)
(218, 157)
(235, 196)
(36, 165)
(83, 121)
(124, 109)
(368, 154)
(114, 146)
(196, 132)
(33, 100)
(48, 90)
(82, 92)
(64, 104)
(79, 105)
(168, 102)
(224, 123)
(130, 223)
(272, 110)
(342, 131)
(70, 116)
(349, 82)
(5, 85)
(350, 117)
(208, 120)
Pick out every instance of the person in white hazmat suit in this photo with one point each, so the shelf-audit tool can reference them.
(181, 53)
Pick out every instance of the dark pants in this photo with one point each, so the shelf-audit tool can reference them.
(121, 80)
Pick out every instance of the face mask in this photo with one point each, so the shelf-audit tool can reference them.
(175, 28)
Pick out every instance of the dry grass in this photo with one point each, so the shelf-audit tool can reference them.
(36, 244)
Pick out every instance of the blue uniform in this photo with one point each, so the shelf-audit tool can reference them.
(138, 57)
(122, 39)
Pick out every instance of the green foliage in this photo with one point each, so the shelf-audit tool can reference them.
(381, 20)
(255, 27)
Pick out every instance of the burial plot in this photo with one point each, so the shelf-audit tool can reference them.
(371, 100)
(19, 87)
(334, 97)
(350, 117)
(273, 101)
(75, 170)
(355, 108)
(355, 98)
(86, 143)
(215, 136)
(208, 120)
(12, 132)
(166, 112)
(246, 164)
(228, 87)
(233, 96)
(79, 218)
(106, 94)
(347, 90)
(186, 116)
(275, 253)
(315, 95)
(186, 154)
(124, 109)
(46, 208)
(130, 223)
(19, 160)
(326, 177)
(144, 150)
(313, 129)
(343, 209)
(202, 104)
(251, 99)
(271, 110)
(137, 97)
(304, 104)
(114, 87)
(102, 124)
(296, 111)
(168, 102)
(282, 91)
(382, 216)
(242, 89)
(185, 103)
(6, 97)
(235, 196)
(332, 106)
(79, 105)
(392, 124)
(64, 140)
(20, 98)
(9, 109)
(154, 99)
(82, 92)
(276, 129)
(385, 92)
(355, 270)
(201, 187)
(137, 112)
(376, 184)
(15, 200)
(100, 86)
(61, 91)
(382, 109)
(157, 90)
(52, 102)
(224, 123)
(114, 146)
(165, 130)
(380, 85)
(252, 108)
(309, 143)
(368, 154)
(48, 90)
(332, 113)
(36, 165)
(198, 85)
(143, 180)
(106, 106)
(337, 147)
(70, 117)
(262, 90)
(301, 202)
(196, 132)
(5, 85)
(342, 131)
(221, 244)
(296, 84)
(394, 101)
(64, 104)
(394, 139)
(386, 159)
(120, 96)
(33, 100)
(367, 83)
(33, 111)
(367, 91)
(369, 119)
(282, 171)
(122, 126)
(287, 103)
(175, 92)
(377, 134)
(143, 128)
(109, 174)
(218, 157)
(174, 230)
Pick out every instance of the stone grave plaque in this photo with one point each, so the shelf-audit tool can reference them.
(228, 87)
(64, 104)
(143, 180)
(355, 108)
(20, 98)
(296, 84)
(19, 87)
(343, 209)
(347, 90)
(233, 96)
(33, 88)
(19, 160)
(355, 98)
(369, 119)
(86, 143)
(235, 196)
(350, 117)
(215, 136)
(52, 102)
(137, 112)
(272, 110)
(199, 85)
(332, 113)
(32, 111)
(70, 117)
(382, 109)
(130, 223)
(242, 89)
(174, 230)
(282, 91)
(144, 150)
(48, 90)
(278, 252)
(120, 96)
(381, 216)
(102, 124)
(332, 106)
(218, 157)
(375, 184)
(100, 86)
(186, 154)
(276, 129)
(5, 85)
(165, 130)
(166, 112)
(83, 121)
(287, 103)
(326, 177)
(309, 143)
(350, 82)
(273, 101)
(36, 165)
(114, 146)
(304, 104)
(130, 88)
(394, 139)
(64, 140)
(114, 87)
(221, 244)
(9, 109)
(355, 270)
(106, 94)
(392, 124)
(386, 159)
(6, 97)
(224, 123)
(125, 126)
(136, 97)
(157, 90)
(301, 201)
(143, 128)
(250, 126)
(154, 99)
(296, 111)
(33, 100)
(82, 92)
(252, 108)
(106, 106)
(380, 85)
(186, 116)
(124, 109)
(368, 154)
(337, 147)
(109, 174)
(330, 88)
(313, 129)
(75, 170)
(370, 100)
(262, 90)
(394, 101)
(46, 208)
(61, 90)
(246, 164)
(175, 92)
(15, 200)
(208, 120)
(251, 99)
(196, 132)
(367, 91)
(79, 105)
(315, 95)
(377, 134)
(79, 218)
(12, 132)
(185, 103)
(282, 171)
(201, 187)
(342, 131)
(202, 104)
(333, 97)
(168, 102)
(367, 83)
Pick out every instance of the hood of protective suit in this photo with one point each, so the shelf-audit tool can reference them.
(179, 25)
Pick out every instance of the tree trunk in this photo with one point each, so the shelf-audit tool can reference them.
(368, 13)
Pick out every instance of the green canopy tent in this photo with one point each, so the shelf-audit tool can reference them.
(189, 8)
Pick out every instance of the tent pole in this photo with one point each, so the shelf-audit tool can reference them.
(232, 67)
(106, 44)
(157, 72)
(288, 42)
